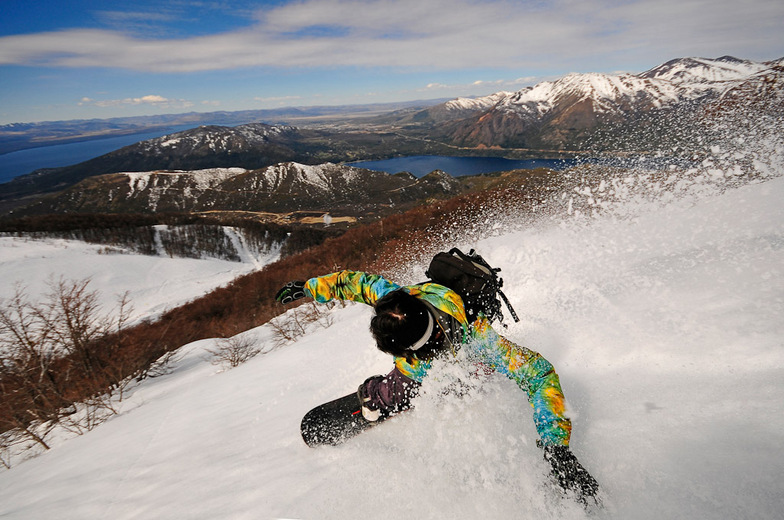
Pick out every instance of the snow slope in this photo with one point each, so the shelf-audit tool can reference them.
(664, 322)
(154, 283)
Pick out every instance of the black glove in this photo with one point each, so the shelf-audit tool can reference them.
(569, 473)
(290, 292)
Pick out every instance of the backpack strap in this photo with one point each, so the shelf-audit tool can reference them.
(508, 306)
(453, 330)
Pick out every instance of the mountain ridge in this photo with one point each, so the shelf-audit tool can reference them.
(563, 113)
(21, 136)
(280, 189)
(250, 146)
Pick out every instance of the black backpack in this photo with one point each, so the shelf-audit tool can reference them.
(470, 276)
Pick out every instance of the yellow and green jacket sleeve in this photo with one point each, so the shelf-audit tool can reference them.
(349, 285)
(532, 373)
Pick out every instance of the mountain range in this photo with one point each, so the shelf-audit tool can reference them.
(565, 114)
(589, 113)
(290, 192)
(20, 136)
(251, 146)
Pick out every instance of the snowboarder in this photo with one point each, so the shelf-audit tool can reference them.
(416, 324)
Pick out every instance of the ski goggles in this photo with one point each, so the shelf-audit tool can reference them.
(428, 332)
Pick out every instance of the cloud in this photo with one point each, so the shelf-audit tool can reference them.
(442, 34)
(485, 86)
(149, 99)
(136, 22)
(276, 99)
(505, 83)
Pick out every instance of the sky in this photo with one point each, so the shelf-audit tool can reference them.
(85, 59)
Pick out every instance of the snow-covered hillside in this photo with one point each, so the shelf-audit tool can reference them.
(664, 321)
(153, 283)
(202, 180)
(479, 103)
(695, 71)
(215, 138)
(673, 82)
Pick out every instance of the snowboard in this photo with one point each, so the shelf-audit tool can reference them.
(334, 422)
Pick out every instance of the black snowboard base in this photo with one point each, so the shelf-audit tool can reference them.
(334, 422)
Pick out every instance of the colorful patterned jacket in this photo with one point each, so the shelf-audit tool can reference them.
(532, 373)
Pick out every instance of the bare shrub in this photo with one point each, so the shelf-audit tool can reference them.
(58, 364)
(160, 367)
(14, 444)
(287, 327)
(235, 350)
(5, 452)
(295, 323)
(89, 414)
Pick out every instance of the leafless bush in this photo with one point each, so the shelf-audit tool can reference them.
(235, 350)
(89, 414)
(12, 444)
(160, 367)
(58, 364)
(295, 323)
(5, 452)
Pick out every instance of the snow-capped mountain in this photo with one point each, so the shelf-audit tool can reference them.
(250, 146)
(480, 103)
(693, 72)
(216, 139)
(562, 114)
(281, 188)
(763, 91)
(247, 146)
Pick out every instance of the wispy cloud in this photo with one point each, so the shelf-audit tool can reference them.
(150, 99)
(135, 22)
(445, 34)
(277, 99)
(484, 85)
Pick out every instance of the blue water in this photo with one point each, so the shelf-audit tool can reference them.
(421, 165)
(22, 162)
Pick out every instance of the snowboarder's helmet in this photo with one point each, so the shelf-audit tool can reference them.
(401, 324)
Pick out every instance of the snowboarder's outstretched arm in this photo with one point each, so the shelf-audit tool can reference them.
(349, 285)
(537, 377)
(344, 285)
(533, 374)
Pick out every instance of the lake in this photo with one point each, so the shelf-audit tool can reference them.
(23, 162)
(421, 165)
